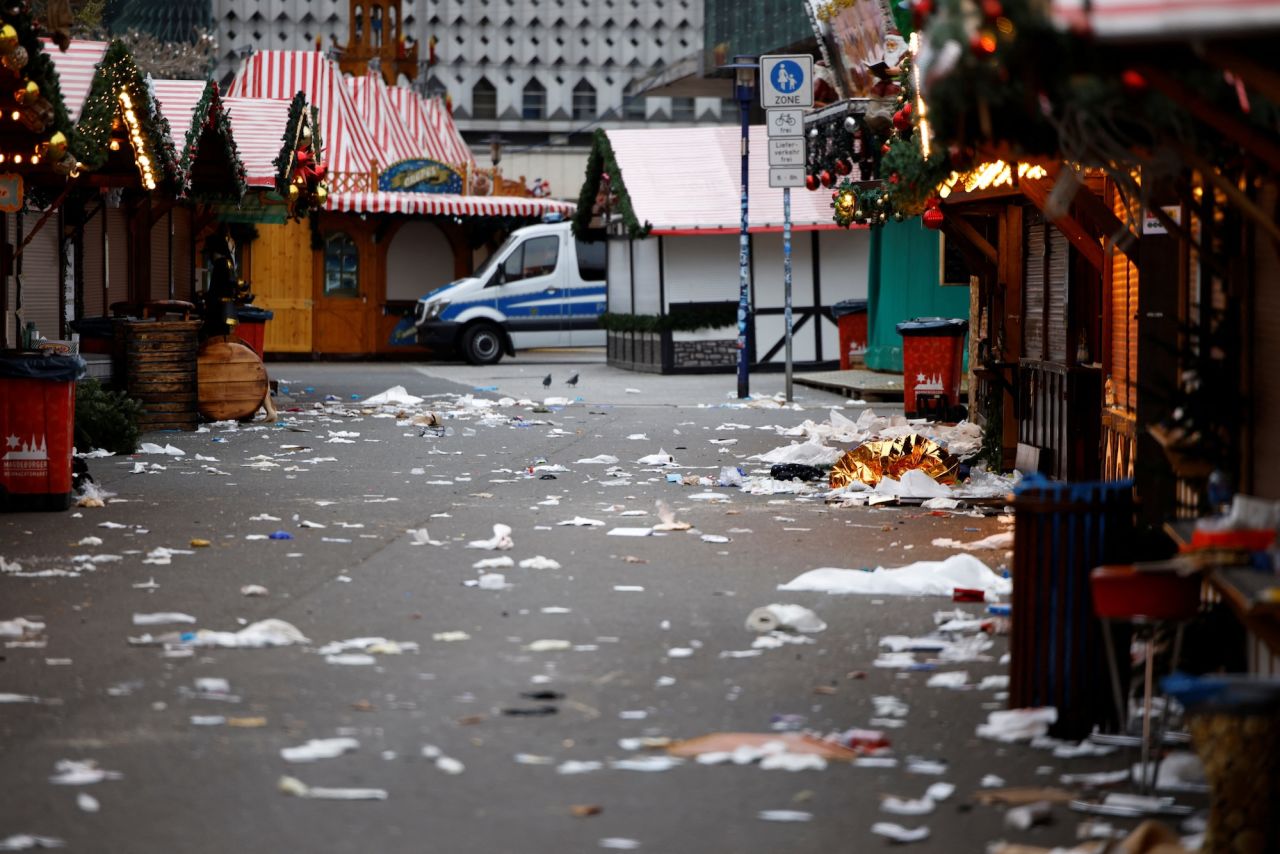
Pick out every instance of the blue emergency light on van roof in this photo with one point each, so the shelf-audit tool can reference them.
(553, 216)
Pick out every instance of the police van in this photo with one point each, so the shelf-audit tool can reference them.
(543, 287)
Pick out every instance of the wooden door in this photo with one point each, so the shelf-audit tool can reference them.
(280, 273)
(344, 298)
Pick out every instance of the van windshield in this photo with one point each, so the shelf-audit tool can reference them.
(486, 269)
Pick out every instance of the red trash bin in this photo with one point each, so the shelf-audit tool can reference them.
(851, 320)
(932, 358)
(251, 326)
(37, 430)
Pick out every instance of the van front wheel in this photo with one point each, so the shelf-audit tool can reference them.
(482, 344)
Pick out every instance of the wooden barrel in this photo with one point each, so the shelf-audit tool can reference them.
(233, 381)
(156, 364)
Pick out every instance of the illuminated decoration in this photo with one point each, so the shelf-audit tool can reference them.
(997, 173)
(33, 120)
(120, 109)
(300, 171)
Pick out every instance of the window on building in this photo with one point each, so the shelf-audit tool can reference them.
(584, 100)
(484, 100)
(435, 88)
(682, 110)
(533, 104)
(633, 108)
(341, 266)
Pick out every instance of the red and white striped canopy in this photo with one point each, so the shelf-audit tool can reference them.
(258, 127)
(444, 147)
(444, 204)
(441, 126)
(383, 121)
(75, 69)
(348, 146)
(177, 101)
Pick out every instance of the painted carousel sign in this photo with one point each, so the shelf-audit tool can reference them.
(421, 176)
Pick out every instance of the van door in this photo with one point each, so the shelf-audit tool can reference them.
(531, 295)
(585, 300)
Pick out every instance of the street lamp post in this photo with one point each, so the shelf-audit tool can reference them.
(744, 76)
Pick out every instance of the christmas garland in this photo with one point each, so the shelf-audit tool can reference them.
(118, 73)
(212, 118)
(300, 169)
(600, 163)
(36, 96)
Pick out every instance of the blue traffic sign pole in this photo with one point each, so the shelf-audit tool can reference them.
(744, 255)
(786, 276)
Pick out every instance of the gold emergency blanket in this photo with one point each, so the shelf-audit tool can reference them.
(871, 461)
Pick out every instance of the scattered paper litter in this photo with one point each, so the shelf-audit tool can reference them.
(539, 562)
(784, 815)
(630, 532)
(162, 618)
(662, 458)
(20, 627)
(254, 590)
(299, 789)
(575, 766)
(581, 522)
(1018, 724)
(81, 772)
(25, 842)
(646, 763)
(907, 806)
(950, 679)
(548, 645)
(319, 748)
(420, 537)
(395, 395)
(1003, 540)
(87, 802)
(619, 843)
(153, 448)
(600, 460)
(500, 541)
(264, 633)
(925, 578)
(503, 562)
(794, 618)
(898, 833)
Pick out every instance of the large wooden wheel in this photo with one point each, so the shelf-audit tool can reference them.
(232, 379)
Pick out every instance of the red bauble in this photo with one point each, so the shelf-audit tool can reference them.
(992, 9)
(894, 179)
(884, 149)
(1132, 80)
(933, 218)
(826, 178)
(902, 121)
(906, 108)
(811, 181)
(843, 167)
(983, 44)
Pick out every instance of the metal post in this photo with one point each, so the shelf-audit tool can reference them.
(786, 276)
(744, 255)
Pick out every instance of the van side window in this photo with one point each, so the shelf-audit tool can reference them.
(592, 262)
(535, 257)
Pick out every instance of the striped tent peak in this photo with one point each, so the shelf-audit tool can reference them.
(177, 101)
(279, 74)
(690, 178)
(443, 127)
(414, 111)
(76, 67)
(382, 119)
(258, 125)
(443, 204)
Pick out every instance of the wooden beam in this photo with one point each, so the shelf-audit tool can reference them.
(1232, 192)
(1106, 222)
(1088, 247)
(1234, 129)
(959, 227)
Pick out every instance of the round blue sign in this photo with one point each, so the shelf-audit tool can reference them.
(788, 76)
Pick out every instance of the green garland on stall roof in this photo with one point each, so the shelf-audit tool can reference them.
(39, 68)
(92, 140)
(298, 110)
(213, 116)
(599, 162)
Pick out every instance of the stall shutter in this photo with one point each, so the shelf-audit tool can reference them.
(10, 299)
(95, 304)
(117, 256)
(160, 259)
(42, 275)
(1059, 273)
(1033, 285)
(182, 267)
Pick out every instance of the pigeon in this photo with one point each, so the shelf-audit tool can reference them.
(573, 380)
(546, 381)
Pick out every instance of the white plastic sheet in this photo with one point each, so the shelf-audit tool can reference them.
(925, 578)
